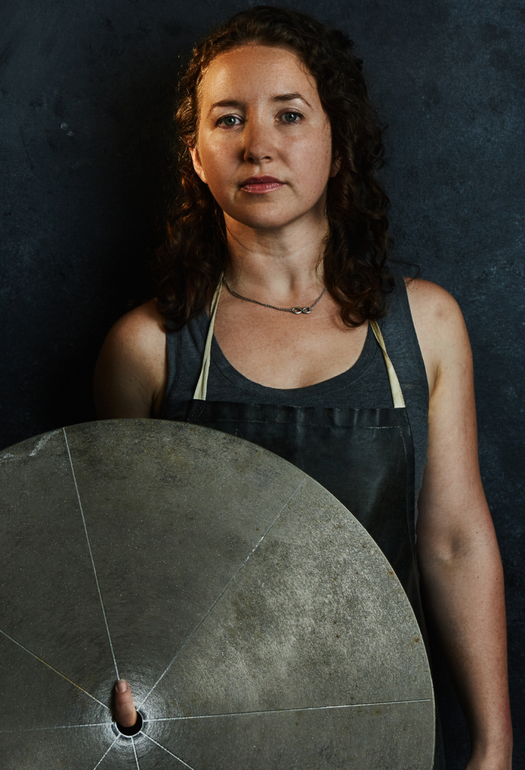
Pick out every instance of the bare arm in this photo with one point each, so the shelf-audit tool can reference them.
(457, 549)
(131, 371)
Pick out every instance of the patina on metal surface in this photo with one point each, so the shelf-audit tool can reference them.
(258, 624)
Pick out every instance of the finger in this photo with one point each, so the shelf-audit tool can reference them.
(125, 712)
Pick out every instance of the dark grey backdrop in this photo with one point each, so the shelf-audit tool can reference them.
(86, 94)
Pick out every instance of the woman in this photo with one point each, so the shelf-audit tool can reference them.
(278, 246)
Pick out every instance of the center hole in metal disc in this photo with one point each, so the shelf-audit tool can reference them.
(129, 732)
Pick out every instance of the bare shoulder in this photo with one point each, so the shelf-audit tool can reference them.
(130, 375)
(440, 327)
(140, 328)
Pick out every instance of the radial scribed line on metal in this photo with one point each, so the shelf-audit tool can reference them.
(56, 727)
(103, 757)
(168, 752)
(91, 555)
(52, 668)
(135, 752)
(290, 710)
(219, 597)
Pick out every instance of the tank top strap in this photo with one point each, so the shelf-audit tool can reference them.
(201, 388)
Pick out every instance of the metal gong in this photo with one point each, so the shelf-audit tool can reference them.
(258, 624)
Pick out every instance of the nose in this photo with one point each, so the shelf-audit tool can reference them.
(258, 144)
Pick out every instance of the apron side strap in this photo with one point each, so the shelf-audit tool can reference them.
(395, 387)
(202, 385)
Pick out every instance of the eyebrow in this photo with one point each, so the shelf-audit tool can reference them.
(277, 98)
(289, 98)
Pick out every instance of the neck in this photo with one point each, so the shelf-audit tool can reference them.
(276, 265)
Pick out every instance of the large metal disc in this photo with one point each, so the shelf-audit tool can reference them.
(259, 625)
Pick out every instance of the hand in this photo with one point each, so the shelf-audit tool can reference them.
(125, 711)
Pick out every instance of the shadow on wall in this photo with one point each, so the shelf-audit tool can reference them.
(89, 174)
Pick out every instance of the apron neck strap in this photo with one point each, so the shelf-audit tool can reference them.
(202, 384)
(395, 387)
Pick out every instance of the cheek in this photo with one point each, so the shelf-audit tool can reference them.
(314, 164)
(218, 174)
(216, 161)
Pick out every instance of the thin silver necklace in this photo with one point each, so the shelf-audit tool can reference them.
(295, 310)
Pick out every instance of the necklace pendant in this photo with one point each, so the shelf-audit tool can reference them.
(299, 310)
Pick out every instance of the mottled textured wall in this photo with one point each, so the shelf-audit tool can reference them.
(85, 93)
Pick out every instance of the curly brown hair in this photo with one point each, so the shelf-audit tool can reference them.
(189, 265)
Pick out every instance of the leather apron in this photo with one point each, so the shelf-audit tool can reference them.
(364, 457)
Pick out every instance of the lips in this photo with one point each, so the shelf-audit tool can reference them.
(261, 184)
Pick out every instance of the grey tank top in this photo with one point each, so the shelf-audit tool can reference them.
(364, 386)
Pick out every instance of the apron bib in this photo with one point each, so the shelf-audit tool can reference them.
(364, 457)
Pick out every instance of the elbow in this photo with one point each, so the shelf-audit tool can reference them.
(449, 555)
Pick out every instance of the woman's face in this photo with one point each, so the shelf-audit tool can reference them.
(264, 143)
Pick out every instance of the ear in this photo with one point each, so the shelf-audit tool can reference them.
(336, 165)
(197, 165)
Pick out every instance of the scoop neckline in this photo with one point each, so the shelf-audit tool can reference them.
(219, 361)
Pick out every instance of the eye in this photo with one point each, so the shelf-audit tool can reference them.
(228, 121)
(291, 117)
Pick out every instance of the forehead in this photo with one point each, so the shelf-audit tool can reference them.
(256, 69)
